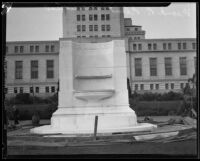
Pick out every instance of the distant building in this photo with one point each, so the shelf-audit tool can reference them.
(153, 65)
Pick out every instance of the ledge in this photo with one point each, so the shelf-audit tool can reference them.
(93, 76)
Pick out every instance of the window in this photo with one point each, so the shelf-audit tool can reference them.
(149, 46)
(138, 66)
(95, 8)
(151, 86)
(169, 46)
(95, 18)
(47, 89)
(16, 49)
(153, 66)
(102, 17)
(139, 46)
(15, 89)
(31, 89)
(90, 27)
(34, 69)
(95, 27)
(83, 17)
(78, 8)
(31, 49)
(107, 8)
(141, 86)
(52, 48)
(83, 27)
(21, 90)
(179, 46)
(182, 85)
(50, 69)
(102, 27)
(166, 86)
(107, 17)
(154, 46)
(136, 29)
(172, 85)
(134, 47)
(107, 27)
(194, 46)
(78, 28)
(184, 46)
(18, 69)
(52, 89)
(37, 89)
(164, 46)
(83, 8)
(183, 66)
(90, 8)
(36, 48)
(90, 17)
(78, 17)
(157, 86)
(136, 87)
(108, 35)
(102, 8)
(168, 66)
(47, 48)
(21, 49)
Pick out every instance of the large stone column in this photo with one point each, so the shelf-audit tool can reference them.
(93, 82)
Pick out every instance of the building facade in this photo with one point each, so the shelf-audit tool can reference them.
(153, 65)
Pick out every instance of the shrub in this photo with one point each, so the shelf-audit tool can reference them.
(155, 108)
(157, 96)
(23, 98)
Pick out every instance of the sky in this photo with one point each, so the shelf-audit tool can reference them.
(33, 24)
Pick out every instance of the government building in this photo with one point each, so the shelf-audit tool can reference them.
(153, 65)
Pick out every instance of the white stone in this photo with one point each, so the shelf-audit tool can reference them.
(93, 82)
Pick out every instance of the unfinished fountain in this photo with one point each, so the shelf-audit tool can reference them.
(93, 82)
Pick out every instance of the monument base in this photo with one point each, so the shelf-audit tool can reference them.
(64, 122)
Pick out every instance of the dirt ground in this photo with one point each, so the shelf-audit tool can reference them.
(36, 146)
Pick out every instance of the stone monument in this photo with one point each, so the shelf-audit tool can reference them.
(93, 82)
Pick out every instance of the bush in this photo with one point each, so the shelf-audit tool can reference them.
(26, 112)
(157, 96)
(23, 98)
(155, 108)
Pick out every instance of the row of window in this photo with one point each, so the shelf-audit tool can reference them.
(92, 8)
(32, 89)
(168, 66)
(32, 49)
(34, 69)
(93, 28)
(166, 46)
(93, 36)
(135, 29)
(104, 17)
(157, 87)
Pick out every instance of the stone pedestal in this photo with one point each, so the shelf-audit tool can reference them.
(93, 82)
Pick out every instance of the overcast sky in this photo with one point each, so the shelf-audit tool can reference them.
(175, 21)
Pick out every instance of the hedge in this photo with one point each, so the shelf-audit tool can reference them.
(156, 108)
(26, 112)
